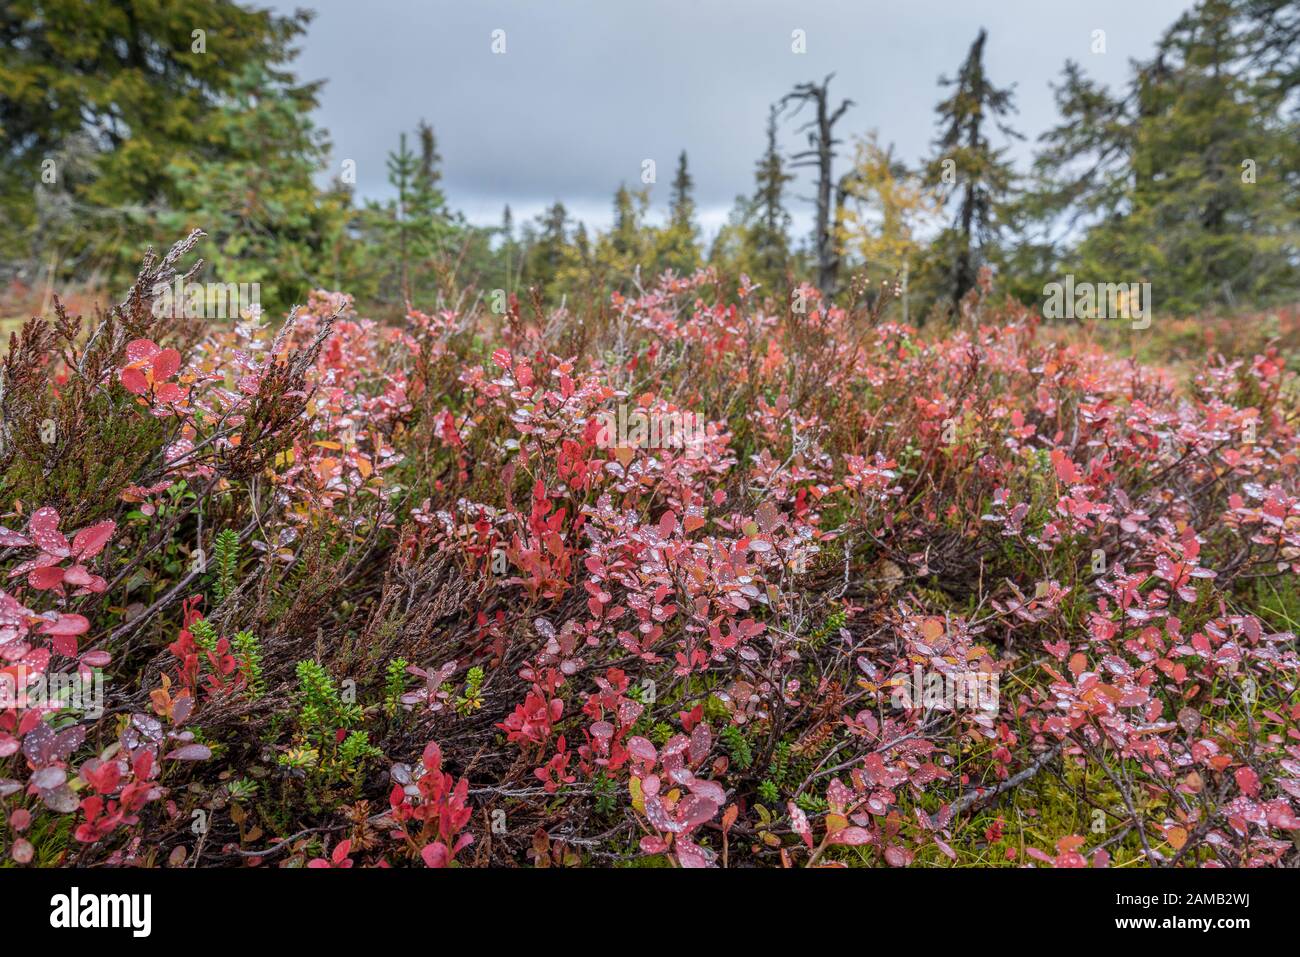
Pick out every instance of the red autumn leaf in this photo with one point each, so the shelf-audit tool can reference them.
(1247, 780)
(435, 855)
(140, 350)
(134, 380)
(67, 625)
(168, 392)
(90, 541)
(45, 534)
(46, 577)
(166, 364)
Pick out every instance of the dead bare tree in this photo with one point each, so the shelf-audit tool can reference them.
(821, 154)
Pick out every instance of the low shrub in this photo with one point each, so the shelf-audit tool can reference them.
(359, 594)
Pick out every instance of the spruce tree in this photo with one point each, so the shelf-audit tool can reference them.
(117, 90)
(267, 221)
(1212, 215)
(403, 237)
(974, 178)
(766, 240)
(1187, 178)
(678, 247)
(552, 258)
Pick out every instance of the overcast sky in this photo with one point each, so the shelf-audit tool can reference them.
(588, 89)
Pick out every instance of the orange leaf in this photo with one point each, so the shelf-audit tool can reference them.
(932, 629)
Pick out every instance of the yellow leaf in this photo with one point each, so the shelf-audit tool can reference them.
(638, 797)
(162, 702)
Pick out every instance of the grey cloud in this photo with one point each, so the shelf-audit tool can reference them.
(589, 88)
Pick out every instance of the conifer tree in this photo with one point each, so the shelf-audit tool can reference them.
(1187, 179)
(112, 115)
(628, 243)
(974, 178)
(766, 240)
(267, 221)
(678, 247)
(552, 258)
(405, 235)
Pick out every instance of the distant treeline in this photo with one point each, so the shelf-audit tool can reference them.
(121, 125)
